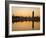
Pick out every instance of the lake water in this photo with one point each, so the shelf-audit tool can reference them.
(26, 25)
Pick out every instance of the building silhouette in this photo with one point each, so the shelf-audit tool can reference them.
(21, 19)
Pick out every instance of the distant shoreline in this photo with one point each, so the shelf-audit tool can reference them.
(21, 19)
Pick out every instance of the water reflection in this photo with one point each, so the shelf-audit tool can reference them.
(26, 25)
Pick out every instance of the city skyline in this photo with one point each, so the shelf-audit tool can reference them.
(25, 18)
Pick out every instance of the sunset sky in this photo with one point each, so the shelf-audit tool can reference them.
(25, 11)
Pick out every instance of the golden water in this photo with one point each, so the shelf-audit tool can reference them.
(26, 25)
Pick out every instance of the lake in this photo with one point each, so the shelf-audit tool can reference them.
(25, 25)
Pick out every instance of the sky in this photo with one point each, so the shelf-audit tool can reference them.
(25, 11)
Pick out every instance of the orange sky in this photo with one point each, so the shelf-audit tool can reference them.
(25, 11)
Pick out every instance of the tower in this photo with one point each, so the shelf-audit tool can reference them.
(32, 19)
